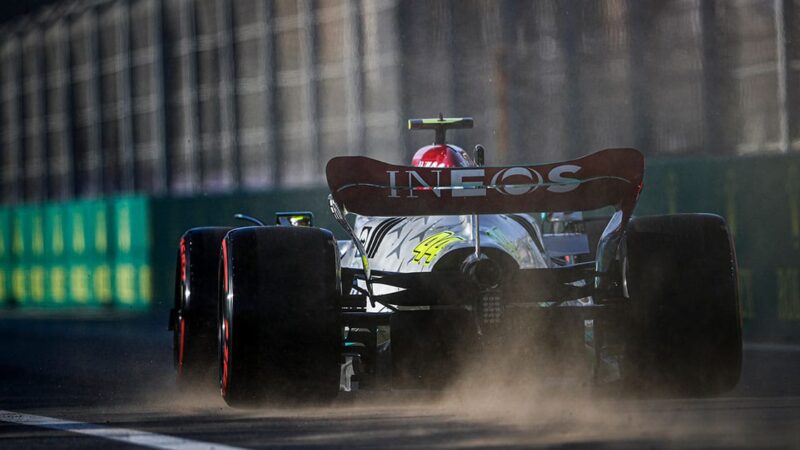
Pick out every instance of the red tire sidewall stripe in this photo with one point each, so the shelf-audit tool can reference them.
(183, 260)
(225, 265)
(182, 340)
(181, 321)
(225, 322)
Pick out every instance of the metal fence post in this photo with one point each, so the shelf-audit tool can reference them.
(227, 91)
(159, 117)
(568, 14)
(272, 152)
(713, 139)
(354, 97)
(125, 111)
(65, 116)
(784, 39)
(16, 123)
(308, 68)
(37, 177)
(189, 51)
(638, 26)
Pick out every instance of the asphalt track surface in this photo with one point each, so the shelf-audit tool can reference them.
(112, 376)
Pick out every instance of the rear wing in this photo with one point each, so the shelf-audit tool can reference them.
(365, 186)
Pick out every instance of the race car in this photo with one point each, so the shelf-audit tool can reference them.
(447, 258)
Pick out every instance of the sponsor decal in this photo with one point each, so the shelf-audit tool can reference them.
(474, 182)
(534, 180)
(426, 250)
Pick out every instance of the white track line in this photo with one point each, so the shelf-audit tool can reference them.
(126, 435)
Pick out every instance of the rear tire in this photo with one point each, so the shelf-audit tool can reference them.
(279, 321)
(195, 317)
(684, 331)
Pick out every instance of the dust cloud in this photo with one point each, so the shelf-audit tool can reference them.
(499, 396)
(545, 396)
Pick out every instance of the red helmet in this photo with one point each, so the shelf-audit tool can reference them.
(441, 156)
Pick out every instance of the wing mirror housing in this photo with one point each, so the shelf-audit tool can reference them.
(295, 219)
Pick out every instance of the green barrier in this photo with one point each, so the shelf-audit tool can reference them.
(132, 283)
(28, 275)
(5, 236)
(5, 283)
(131, 235)
(130, 247)
(38, 274)
(5, 255)
(88, 259)
(98, 214)
(80, 284)
(83, 253)
(38, 269)
(87, 229)
(79, 250)
(27, 234)
(56, 286)
(102, 282)
(19, 285)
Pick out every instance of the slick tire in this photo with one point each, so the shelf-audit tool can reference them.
(195, 313)
(685, 335)
(279, 321)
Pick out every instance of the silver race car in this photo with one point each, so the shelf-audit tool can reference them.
(448, 258)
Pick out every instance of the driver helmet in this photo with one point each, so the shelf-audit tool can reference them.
(442, 156)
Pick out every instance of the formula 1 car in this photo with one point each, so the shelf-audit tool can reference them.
(447, 257)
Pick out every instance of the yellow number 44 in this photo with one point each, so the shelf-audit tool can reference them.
(432, 245)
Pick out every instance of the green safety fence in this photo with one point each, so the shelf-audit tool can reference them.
(131, 233)
(131, 239)
(6, 262)
(76, 254)
(88, 254)
(27, 249)
(55, 239)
